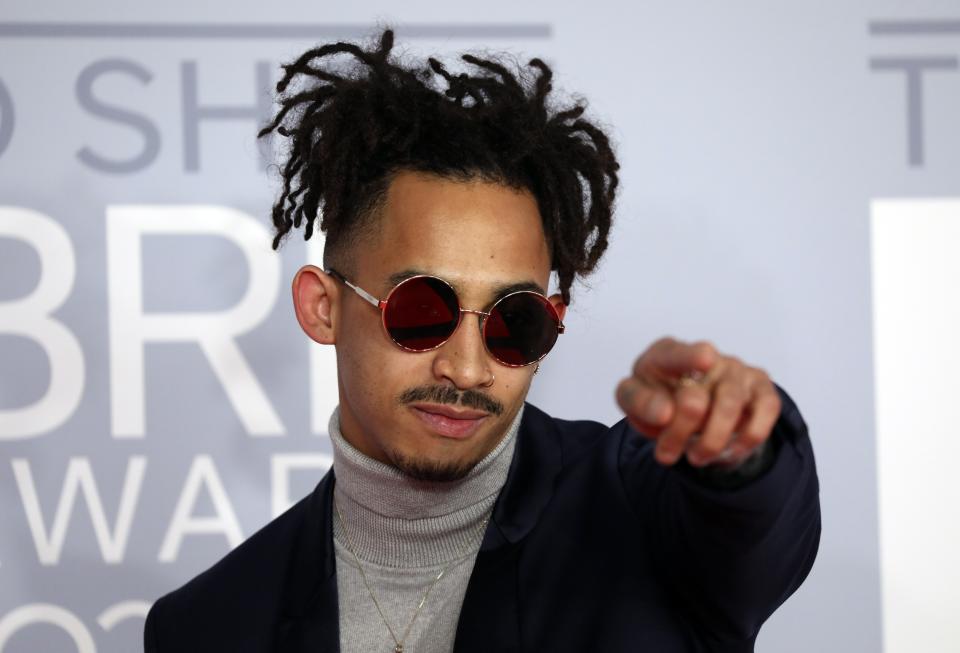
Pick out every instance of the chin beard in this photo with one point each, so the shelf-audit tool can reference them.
(430, 471)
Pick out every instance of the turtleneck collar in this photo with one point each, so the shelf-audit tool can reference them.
(396, 521)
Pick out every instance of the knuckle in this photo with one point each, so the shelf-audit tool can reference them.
(752, 436)
(687, 411)
(710, 450)
(729, 404)
(664, 342)
(705, 348)
(639, 399)
(630, 393)
(733, 390)
(656, 407)
(691, 405)
(761, 373)
(770, 401)
(711, 445)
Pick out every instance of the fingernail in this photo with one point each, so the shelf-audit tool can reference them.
(655, 409)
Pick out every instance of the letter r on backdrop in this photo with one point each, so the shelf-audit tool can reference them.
(214, 332)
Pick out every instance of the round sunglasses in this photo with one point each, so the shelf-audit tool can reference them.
(422, 312)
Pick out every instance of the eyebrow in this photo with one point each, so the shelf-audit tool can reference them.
(499, 291)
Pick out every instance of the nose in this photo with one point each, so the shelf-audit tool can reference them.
(463, 359)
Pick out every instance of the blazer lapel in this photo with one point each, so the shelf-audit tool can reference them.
(310, 618)
(490, 616)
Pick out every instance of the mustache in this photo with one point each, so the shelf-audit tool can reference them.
(439, 394)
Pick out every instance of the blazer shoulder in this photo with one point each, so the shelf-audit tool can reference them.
(575, 437)
(244, 587)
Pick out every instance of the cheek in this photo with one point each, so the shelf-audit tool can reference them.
(511, 386)
(373, 371)
(360, 340)
(361, 350)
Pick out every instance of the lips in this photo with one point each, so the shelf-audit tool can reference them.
(449, 421)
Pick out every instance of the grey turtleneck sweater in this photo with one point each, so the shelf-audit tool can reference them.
(405, 532)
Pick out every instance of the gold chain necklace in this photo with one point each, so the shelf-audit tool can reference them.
(350, 545)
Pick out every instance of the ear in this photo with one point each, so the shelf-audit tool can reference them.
(557, 301)
(315, 296)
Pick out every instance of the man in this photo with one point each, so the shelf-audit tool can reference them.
(457, 517)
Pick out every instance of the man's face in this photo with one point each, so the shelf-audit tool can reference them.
(403, 408)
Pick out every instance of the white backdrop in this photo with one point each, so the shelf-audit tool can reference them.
(158, 403)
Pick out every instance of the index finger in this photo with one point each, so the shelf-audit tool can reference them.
(673, 358)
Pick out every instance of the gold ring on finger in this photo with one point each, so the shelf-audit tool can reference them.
(688, 379)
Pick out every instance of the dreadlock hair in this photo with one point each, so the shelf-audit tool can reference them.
(352, 126)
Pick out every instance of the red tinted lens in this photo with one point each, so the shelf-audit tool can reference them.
(521, 329)
(421, 313)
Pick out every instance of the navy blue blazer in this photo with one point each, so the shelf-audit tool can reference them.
(592, 546)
